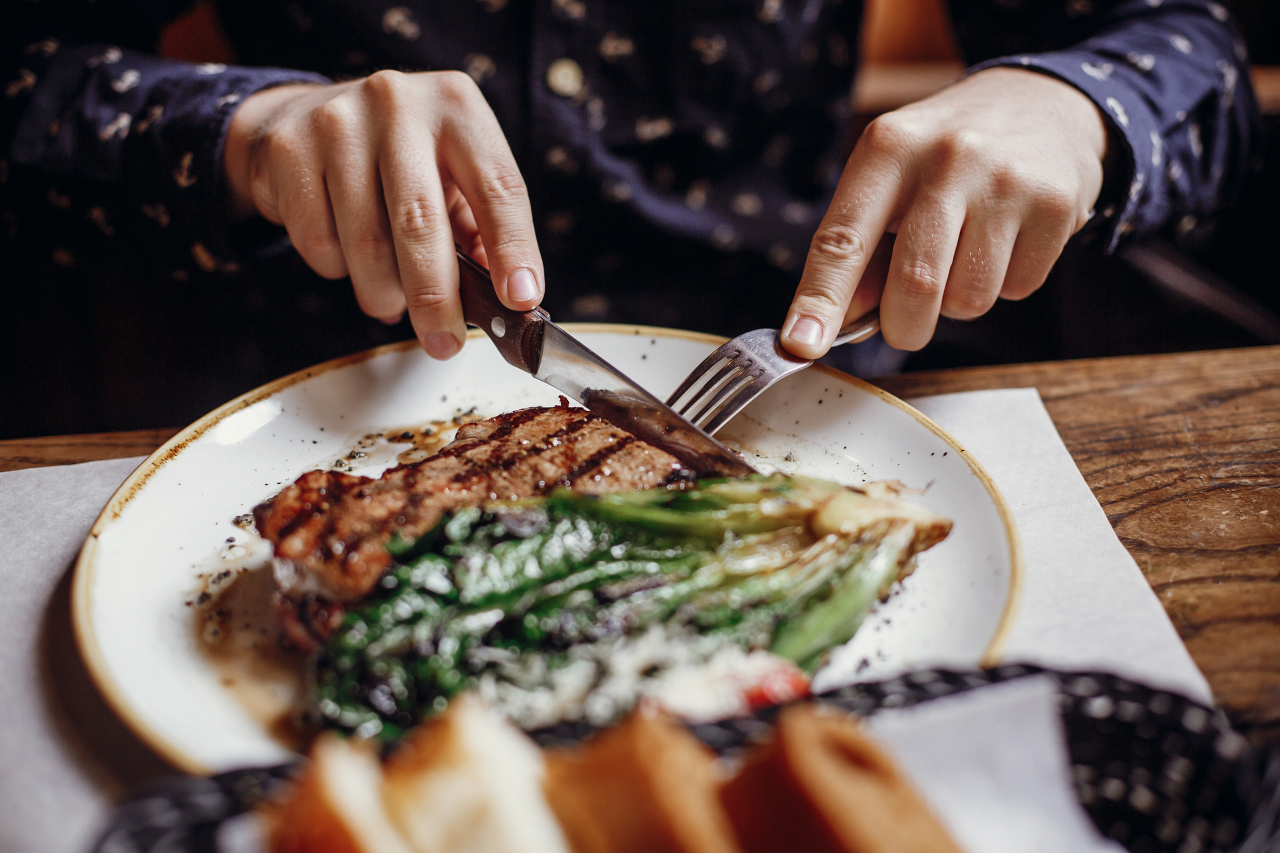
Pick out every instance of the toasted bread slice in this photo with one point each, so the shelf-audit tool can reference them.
(645, 785)
(470, 781)
(336, 805)
(824, 786)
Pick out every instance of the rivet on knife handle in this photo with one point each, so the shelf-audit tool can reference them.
(516, 334)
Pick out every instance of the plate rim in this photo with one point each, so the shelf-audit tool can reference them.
(85, 569)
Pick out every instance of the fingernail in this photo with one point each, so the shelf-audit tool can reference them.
(391, 321)
(522, 286)
(806, 331)
(442, 345)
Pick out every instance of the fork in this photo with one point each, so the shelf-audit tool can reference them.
(748, 365)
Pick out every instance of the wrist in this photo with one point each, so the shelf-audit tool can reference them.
(1084, 115)
(1057, 99)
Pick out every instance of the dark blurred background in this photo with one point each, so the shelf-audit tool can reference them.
(103, 350)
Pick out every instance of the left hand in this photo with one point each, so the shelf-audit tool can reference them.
(982, 183)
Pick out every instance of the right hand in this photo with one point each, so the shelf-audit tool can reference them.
(982, 183)
(378, 179)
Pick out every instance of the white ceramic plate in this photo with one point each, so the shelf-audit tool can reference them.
(174, 514)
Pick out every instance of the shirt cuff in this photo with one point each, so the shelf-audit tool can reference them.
(1125, 193)
(187, 119)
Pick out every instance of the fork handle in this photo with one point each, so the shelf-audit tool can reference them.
(860, 329)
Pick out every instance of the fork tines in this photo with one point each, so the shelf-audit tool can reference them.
(737, 371)
(743, 369)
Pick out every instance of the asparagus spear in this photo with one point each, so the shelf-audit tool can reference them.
(522, 592)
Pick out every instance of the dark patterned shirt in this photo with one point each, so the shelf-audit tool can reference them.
(721, 121)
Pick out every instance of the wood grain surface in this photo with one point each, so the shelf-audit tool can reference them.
(1183, 453)
(70, 449)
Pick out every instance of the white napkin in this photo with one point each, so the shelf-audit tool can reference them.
(1084, 603)
(992, 765)
(66, 758)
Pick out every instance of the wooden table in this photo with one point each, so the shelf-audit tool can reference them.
(1183, 453)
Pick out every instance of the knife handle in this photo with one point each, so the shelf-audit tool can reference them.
(516, 334)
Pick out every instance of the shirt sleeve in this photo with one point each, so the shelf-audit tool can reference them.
(1171, 78)
(109, 152)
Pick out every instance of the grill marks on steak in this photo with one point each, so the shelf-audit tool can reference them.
(330, 529)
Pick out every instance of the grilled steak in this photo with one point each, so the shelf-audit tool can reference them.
(330, 529)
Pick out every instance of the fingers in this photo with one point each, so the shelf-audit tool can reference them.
(1037, 249)
(922, 257)
(421, 232)
(428, 268)
(476, 156)
(871, 285)
(364, 231)
(865, 200)
(978, 269)
(378, 178)
(984, 182)
(958, 249)
(465, 231)
(292, 192)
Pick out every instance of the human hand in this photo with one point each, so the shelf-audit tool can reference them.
(377, 179)
(982, 183)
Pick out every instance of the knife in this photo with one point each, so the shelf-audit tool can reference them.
(531, 342)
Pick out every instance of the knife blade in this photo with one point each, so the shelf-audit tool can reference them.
(530, 341)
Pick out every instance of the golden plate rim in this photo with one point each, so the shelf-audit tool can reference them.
(85, 567)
